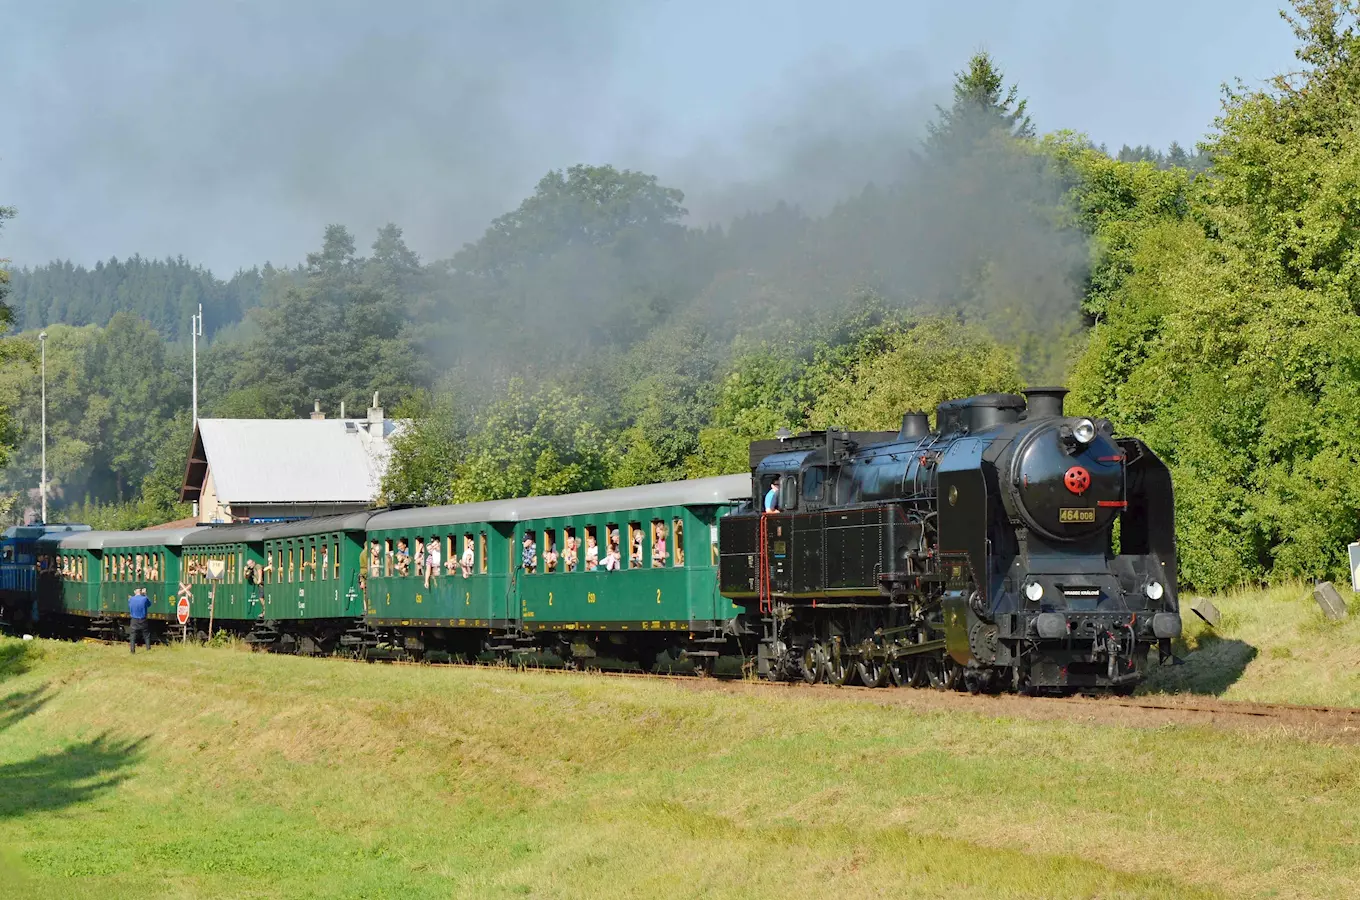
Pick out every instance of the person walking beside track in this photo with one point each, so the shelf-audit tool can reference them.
(138, 604)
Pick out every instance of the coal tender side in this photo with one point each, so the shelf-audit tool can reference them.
(979, 554)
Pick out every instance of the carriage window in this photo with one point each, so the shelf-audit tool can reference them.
(387, 557)
(659, 552)
(290, 565)
(592, 550)
(335, 561)
(550, 554)
(571, 551)
(678, 536)
(481, 553)
(528, 554)
(635, 542)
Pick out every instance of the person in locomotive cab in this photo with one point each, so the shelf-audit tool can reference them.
(772, 496)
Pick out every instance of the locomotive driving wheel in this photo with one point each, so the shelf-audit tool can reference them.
(814, 663)
(869, 672)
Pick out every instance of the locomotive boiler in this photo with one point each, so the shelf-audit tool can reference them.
(1009, 547)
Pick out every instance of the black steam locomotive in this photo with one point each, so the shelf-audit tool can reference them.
(1011, 547)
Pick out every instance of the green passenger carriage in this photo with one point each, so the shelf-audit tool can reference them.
(69, 575)
(480, 596)
(310, 582)
(149, 559)
(220, 573)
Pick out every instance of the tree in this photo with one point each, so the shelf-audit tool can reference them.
(336, 334)
(1229, 335)
(930, 361)
(7, 351)
(982, 107)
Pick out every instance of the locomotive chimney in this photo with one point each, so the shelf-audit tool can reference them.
(914, 425)
(1041, 402)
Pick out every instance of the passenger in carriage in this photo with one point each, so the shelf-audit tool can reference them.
(403, 557)
(613, 559)
(635, 557)
(529, 555)
(659, 546)
(420, 556)
(550, 558)
(569, 557)
(432, 560)
(374, 559)
(592, 553)
(468, 558)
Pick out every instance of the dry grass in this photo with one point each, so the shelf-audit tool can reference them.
(213, 773)
(1272, 646)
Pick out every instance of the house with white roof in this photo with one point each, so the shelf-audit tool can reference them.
(266, 470)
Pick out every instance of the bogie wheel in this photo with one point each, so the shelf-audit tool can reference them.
(869, 672)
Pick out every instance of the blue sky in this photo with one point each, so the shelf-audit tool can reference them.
(232, 133)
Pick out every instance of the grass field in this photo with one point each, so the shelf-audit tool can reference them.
(1272, 646)
(217, 773)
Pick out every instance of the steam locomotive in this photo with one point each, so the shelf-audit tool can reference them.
(1013, 547)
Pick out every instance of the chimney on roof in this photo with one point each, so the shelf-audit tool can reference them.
(342, 409)
(375, 418)
(316, 410)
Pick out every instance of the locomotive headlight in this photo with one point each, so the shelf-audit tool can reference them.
(1034, 591)
(1154, 590)
(1084, 431)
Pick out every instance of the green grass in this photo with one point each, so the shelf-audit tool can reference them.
(217, 773)
(1272, 646)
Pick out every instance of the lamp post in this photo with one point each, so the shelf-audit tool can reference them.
(195, 332)
(42, 485)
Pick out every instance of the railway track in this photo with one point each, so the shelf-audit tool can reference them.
(1163, 709)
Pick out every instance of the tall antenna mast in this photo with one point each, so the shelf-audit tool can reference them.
(195, 332)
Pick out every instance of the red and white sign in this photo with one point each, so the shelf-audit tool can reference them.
(182, 611)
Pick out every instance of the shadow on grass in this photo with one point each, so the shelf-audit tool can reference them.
(21, 704)
(1213, 667)
(54, 781)
(17, 657)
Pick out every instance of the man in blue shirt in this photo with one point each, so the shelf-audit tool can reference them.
(138, 604)
(772, 497)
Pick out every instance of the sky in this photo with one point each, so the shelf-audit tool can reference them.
(232, 132)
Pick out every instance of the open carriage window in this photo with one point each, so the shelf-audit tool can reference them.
(481, 553)
(550, 554)
(571, 552)
(592, 549)
(659, 550)
(528, 554)
(636, 548)
(678, 538)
